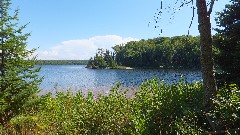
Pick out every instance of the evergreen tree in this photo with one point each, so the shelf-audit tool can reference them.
(227, 40)
(18, 80)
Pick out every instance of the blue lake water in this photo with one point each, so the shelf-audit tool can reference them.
(77, 77)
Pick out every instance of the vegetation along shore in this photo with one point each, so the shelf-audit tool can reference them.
(155, 107)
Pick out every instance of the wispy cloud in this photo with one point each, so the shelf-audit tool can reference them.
(81, 49)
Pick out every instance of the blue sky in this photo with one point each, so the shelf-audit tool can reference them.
(74, 29)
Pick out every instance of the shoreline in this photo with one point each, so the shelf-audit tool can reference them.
(154, 68)
(102, 90)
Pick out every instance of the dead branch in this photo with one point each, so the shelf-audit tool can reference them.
(211, 7)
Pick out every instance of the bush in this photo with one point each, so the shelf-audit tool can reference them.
(227, 108)
(79, 114)
(160, 108)
(157, 108)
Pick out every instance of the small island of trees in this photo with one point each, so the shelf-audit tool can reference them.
(102, 60)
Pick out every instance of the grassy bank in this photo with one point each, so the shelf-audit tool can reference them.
(157, 108)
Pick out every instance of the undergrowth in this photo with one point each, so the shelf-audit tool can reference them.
(157, 108)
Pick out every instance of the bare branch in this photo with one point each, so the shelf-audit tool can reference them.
(193, 8)
(210, 121)
(211, 7)
(178, 5)
(185, 3)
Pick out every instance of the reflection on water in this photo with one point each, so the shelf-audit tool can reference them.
(77, 77)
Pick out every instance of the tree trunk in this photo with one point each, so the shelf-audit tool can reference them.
(204, 27)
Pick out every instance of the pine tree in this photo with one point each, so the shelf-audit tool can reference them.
(227, 40)
(18, 76)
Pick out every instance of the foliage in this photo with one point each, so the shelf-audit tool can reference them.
(79, 114)
(227, 107)
(168, 109)
(157, 108)
(227, 42)
(163, 52)
(61, 62)
(102, 59)
(18, 80)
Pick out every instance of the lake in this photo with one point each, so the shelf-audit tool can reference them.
(77, 77)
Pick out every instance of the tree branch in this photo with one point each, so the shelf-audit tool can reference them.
(192, 18)
(211, 7)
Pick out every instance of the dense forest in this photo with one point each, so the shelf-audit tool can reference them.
(163, 52)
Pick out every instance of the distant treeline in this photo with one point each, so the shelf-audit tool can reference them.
(163, 52)
(62, 62)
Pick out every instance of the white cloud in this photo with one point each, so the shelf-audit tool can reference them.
(82, 49)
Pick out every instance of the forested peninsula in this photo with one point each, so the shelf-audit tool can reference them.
(178, 52)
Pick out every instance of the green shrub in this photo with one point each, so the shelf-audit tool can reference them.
(157, 108)
(227, 108)
(160, 108)
(78, 114)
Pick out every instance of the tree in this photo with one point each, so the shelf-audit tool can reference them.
(163, 52)
(227, 42)
(102, 59)
(18, 80)
(207, 66)
(204, 27)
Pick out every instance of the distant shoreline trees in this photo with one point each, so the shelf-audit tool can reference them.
(61, 62)
(102, 60)
(179, 52)
(163, 52)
